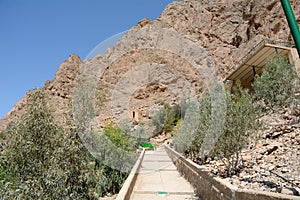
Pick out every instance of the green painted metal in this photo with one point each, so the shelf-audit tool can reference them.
(277, 54)
(292, 22)
(162, 193)
(189, 98)
(148, 145)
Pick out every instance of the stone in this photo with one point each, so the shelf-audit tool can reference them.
(284, 170)
(276, 134)
(247, 158)
(259, 157)
(272, 147)
(272, 167)
(288, 191)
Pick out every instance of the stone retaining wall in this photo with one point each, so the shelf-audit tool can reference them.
(210, 187)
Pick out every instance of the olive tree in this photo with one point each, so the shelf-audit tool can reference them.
(42, 160)
(277, 85)
(241, 125)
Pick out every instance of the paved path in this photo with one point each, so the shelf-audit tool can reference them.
(158, 179)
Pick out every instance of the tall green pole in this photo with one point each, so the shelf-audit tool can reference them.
(292, 22)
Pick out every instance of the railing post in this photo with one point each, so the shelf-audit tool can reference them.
(292, 23)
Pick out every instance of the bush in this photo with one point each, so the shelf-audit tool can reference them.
(166, 118)
(172, 114)
(240, 128)
(116, 135)
(277, 84)
(185, 132)
(158, 121)
(277, 87)
(113, 149)
(193, 151)
(240, 123)
(115, 156)
(43, 161)
(140, 135)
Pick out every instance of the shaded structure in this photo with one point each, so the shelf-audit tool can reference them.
(253, 63)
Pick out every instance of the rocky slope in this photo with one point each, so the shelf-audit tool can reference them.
(273, 162)
(211, 33)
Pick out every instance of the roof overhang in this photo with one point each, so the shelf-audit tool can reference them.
(256, 60)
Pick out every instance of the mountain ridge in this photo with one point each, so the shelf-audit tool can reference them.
(225, 29)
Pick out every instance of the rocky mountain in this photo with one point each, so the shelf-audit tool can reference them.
(179, 53)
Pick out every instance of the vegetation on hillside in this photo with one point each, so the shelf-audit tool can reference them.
(241, 125)
(275, 88)
(41, 160)
(167, 118)
(115, 155)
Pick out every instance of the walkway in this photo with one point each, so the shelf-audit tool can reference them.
(158, 179)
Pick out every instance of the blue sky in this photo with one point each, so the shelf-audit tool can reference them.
(36, 36)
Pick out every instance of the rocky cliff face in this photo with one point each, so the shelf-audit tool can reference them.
(229, 28)
(191, 43)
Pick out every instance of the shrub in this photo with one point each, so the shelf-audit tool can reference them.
(43, 161)
(113, 149)
(241, 121)
(176, 127)
(277, 84)
(240, 128)
(171, 117)
(140, 135)
(115, 156)
(185, 133)
(166, 118)
(120, 139)
(158, 121)
(203, 125)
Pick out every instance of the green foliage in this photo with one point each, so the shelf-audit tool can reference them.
(112, 179)
(112, 147)
(120, 139)
(241, 122)
(172, 115)
(193, 151)
(140, 135)
(277, 84)
(43, 161)
(158, 121)
(277, 87)
(176, 127)
(115, 156)
(166, 118)
(185, 132)
(240, 128)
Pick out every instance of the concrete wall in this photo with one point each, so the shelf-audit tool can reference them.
(128, 186)
(209, 187)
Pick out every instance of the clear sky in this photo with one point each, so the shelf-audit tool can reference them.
(37, 35)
